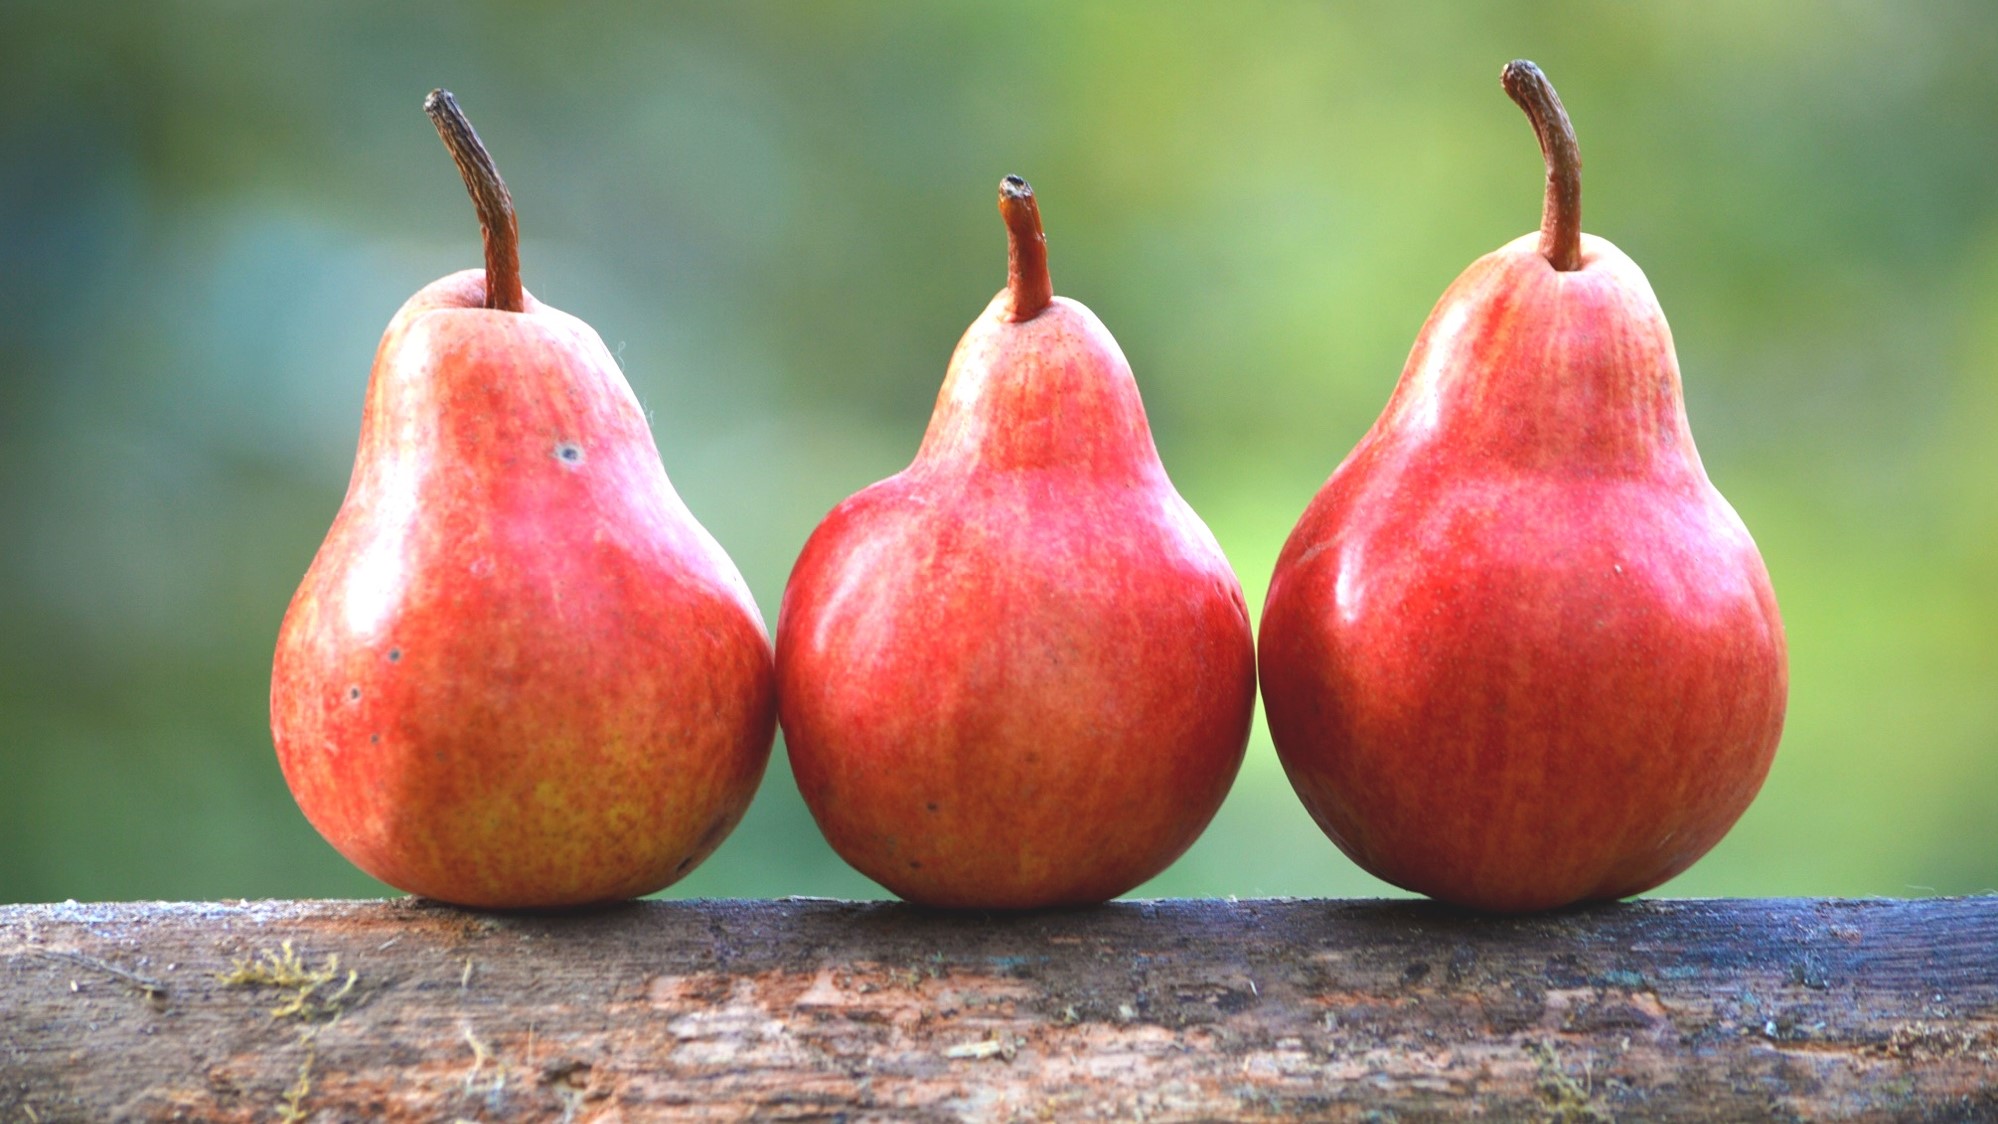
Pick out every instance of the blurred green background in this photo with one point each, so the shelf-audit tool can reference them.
(780, 217)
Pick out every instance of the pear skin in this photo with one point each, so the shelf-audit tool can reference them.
(1519, 652)
(518, 673)
(1019, 673)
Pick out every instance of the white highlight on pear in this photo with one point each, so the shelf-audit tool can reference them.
(376, 584)
(1424, 405)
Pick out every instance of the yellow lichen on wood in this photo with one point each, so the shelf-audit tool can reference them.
(1569, 1101)
(284, 968)
(291, 1109)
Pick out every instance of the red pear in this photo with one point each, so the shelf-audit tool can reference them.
(1018, 673)
(1519, 652)
(518, 673)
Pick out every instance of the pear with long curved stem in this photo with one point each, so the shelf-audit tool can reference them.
(1019, 673)
(518, 673)
(1519, 652)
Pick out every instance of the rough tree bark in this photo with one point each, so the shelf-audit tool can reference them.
(1184, 1010)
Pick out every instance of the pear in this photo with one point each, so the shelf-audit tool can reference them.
(1519, 652)
(1019, 673)
(518, 673)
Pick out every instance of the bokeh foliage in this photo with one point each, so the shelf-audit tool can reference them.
(780, 218)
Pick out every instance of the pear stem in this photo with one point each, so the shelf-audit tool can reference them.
(489, 194)
(1027, 279)
(1561, 214)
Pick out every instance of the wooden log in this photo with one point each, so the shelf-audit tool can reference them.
(1161, 1011)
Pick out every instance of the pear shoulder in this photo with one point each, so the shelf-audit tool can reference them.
(1602, 262)
(1053, 391)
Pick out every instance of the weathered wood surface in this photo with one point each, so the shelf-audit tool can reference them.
(1184, 1010)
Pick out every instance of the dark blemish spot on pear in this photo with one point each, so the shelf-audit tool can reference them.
(931, 806)
(374, 739)
(568, 452)
(684, 864)
(395, 655)
(915, 865)
(353, 694)
(712, 837)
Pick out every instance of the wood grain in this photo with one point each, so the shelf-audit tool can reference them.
(1161, 1011)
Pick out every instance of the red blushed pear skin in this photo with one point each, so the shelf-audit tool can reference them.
(1519, 653)
(1019, 673)
(518, 674)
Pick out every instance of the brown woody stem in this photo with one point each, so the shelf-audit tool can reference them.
(489, 195)
(1561, 214)
(1026, 249)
